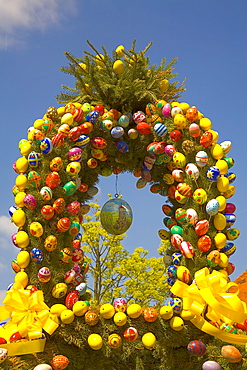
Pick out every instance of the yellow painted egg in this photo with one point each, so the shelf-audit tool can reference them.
(164, 234)
(184, 106)
(200, 196)
(22, 239)
(57, 309)
(164, 85)
(186, 315)
(23, 259)
(180, 198)
(230, 192)
(205, 124)
(217, 151)
(118, 67)
(220, 240)
(232, 234)
(80, 308)
(21, 164)
(19, 199)
(222, 202)
(231, 354)
(21, 278)
(50, 243)
(223, 260)
(67, 316)
(114, 340)
(166, 312)
(222, 184)
(95, 341)
(26, 148)
(215, 136)
(107, 311)
(219, 222)
(180, 121)
(120, 318)
(19, 218)
(21, 182)
(149, 340)
(222, 166)
(67, 118)
(36, 229)
(179, 159)
(177, 323)
(183, 274)
(134, 310)
(168, 179)
(59, 290)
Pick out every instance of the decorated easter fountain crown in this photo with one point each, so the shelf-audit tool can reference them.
(122, 116)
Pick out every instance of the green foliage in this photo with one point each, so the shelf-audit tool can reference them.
(116, 272)
(138, 85)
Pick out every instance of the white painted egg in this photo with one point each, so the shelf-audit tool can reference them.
(3, 354)
(226, 146)
(43, 367)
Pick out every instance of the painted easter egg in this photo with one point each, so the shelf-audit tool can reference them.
(177, 230)
(179, 159)
(192, 216)
(52, 180)
(170, 150)
(46, 193)
(130, 334)
(184, 189)
(117, 132)
(75, 133)
(143, 128)
(177, 323)
(59, 205)
(59, 362)
(63, 224)
(211, 365)
(213, 174)
(226, 146)
(201, 158)
(46, 145)
(150, 314)
(200, 196)
(34, 159)
(183, 274)
(30, 201)
(176, 258)
(231, 354)
(212, 207)
(178, 175)
(217, 151)
(230, 191)
(56, 164)
(232, 234)
(99, 142)
(71, 298)
(116, 216)
(36, 229)
(194, 130)
(73, 168)
(3, 354)
(180, 215)
(43, 367)
(75, 154)
(231, 176)
(176, 304)
(202, 227)
(196, 348)
(229, 248)
(192, 171)
(176, 241)
(160, 129)
(192, 114)
(122, 146)
(36, 255)
(50, 243)
(188, 146)
(163, 234)
(114, 340)
(120, 304)
(59, 290)
(34, 179)
(206, 139)
(44, 274)
(187, 249)
(204, 243)
(219, 222)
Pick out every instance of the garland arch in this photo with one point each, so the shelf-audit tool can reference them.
(171, 147)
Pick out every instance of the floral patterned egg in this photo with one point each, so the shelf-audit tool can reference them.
(120, 305)
(34, 179)
(59, 362)
(188, 146)
(75, 154)
(56, 164)
(50, 243)
(200, 196)
(179, 159)
(192, 171)
(46, 145)
(192, 216)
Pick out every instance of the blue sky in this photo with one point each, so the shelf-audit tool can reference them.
(208, 37)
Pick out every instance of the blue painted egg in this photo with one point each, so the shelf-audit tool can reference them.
(92, 116)
(122, 146)
(36, 255)
(171, 281)
(231, 177)
(230, 219)
(212, 174)
(46, 145)
(229, 248)
(82, 141)
(212, 207)
(196, 348)
(34, 159)
(176, 258)
(117, 132)
(12, 209)
(201, 158)
(172, 271)
(176, 304)
(160, 129)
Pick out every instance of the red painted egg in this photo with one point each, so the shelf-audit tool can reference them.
(59, 205)
(99, 142)
(204, 243)
(171, 191)
(63, 224)
(15, 336)
(58, 140)
(184, 189)
(77, 255)
(78, 114)
(76, 243)
(73, 208)
(130, 334)
(52, 180)
(176, 241)
(3, 341)
(59, 362)
(159, 148)
(75, 133)
(202, 227)
(143, 128)
(71, 298)
(206, 139)
(47, 212)
(86, 128)
(176, 135)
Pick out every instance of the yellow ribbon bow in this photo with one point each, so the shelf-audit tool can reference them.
(212, 292)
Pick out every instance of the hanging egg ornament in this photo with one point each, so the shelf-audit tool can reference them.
(213, 174)
(176, 241)
(73, 168)
(176, 135)
(19, 218)
(201, 158)
(188, 146)
(204, 243)
(192, 171)
(179, 159)
(212, 207)
(130, 334)
(176, 258)
(30, 201)
(219, 222)
(185, 189)
(114, 340)
(194, 130)
(150, 314)
(176, 304)
(192, 114)
(56, 164)
(187, 249)
(59, 362)
(21, 165)
(59, 205)
(46, 145)
(52, 180)
(116, 216)
(63, 224)
(36, 229)
(34, 179)
(200, 196)
(75, 154)
(222, 184)
(44, 274)
(23, 259)
(95, 341)
(120, 305)
(180, 216)
(202, 227)
(3, 354)
(36, 255)
(229, 248)
(192, 216)
(47, 212)
(59, 290)
(99, 142)
(206, 139)
(22, 239)
(232, 234)
(34, 159)
(196, 348)
(46, 193)
(50, 243)
(149, 340)
(183, 274)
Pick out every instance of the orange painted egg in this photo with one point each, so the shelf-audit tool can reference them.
(59, 362)
(91, 318)
(59, 205)
(202, 227)
(63, 224)
(150, 314)
(47, 212)
(204, 243)
(50, 243)
(231, 354)
(52, 180)
(171, 191)
(143, 128)
(56, 164)
(206, 139)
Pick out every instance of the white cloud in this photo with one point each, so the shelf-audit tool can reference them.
(22, 15)
(2, 296)
(7, 228)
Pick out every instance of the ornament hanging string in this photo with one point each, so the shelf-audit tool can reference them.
(116, 187)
